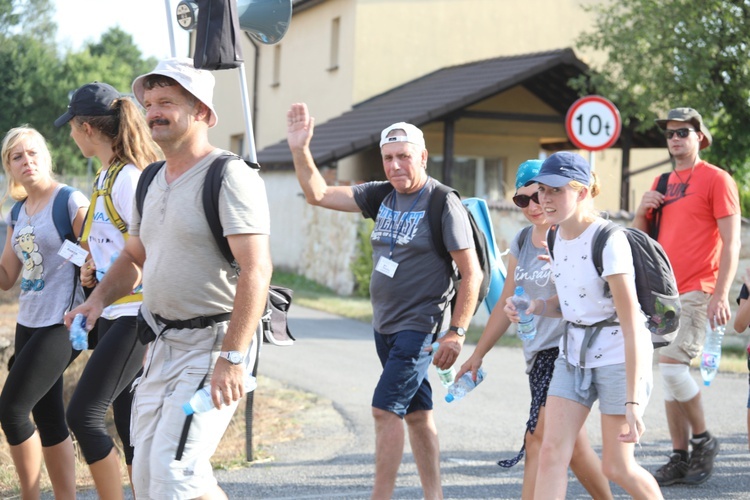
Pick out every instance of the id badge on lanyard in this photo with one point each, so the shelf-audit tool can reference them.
(386, 265)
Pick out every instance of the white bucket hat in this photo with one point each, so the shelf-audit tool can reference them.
(198, 82)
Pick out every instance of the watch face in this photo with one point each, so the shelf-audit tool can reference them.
(234, 357)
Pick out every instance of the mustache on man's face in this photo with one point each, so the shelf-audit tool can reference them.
(157, 121)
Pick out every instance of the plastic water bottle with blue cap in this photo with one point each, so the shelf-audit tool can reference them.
(526, 326)
(711, 356)
(79, 337)
(463, 386)
(201, 400)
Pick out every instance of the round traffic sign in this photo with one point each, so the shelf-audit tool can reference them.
(593, 123)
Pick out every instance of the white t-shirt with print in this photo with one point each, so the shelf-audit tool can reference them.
(582, 293)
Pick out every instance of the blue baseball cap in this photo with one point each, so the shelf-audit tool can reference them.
(562, 167)
(527, 171)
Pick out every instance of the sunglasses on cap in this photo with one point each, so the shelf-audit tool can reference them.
(681, 132)
(522, 200)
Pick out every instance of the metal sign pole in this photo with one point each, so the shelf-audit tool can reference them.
(249, 149)
(172, 46)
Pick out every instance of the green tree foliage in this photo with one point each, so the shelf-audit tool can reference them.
(37, 79)
(28, 16)
(663, 54)
(30, 83)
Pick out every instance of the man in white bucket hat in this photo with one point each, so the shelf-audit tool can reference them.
(190, 291)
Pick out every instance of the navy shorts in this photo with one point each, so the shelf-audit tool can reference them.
(403, 386)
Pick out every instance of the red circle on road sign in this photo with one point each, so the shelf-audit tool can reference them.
(593, 123)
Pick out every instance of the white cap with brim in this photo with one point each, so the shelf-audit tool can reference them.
(198, 82)
(413, 135)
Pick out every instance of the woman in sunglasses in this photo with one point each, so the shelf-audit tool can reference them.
(529, 267)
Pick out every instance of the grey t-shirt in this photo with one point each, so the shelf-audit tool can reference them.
(419, 291)
(185, 274)
(534, 276)
(47, 279)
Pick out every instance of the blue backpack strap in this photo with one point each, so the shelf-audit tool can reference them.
(60, 215)
(14, 211)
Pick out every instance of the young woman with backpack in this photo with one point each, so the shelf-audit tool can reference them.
(48, 289)
(525, 268)
(111, 128)
(616, 368)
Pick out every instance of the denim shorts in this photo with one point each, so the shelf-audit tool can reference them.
(403, 386)
(607, 385)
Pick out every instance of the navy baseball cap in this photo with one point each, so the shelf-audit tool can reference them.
(561, 168)
(93, 99)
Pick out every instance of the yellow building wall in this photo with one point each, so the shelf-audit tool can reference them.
(304, 75)
(383, 44)
(399, 40)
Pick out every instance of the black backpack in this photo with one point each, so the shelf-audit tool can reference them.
(275, 326)
(435, 216)
(661, 187)
(655, 283)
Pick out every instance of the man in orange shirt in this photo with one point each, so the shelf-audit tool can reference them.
(699, 228)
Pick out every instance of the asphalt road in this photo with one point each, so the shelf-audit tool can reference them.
(335, 359)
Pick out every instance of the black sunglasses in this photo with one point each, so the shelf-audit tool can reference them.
(681, 132)
(522, 200)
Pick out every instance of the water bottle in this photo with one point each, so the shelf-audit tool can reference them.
(526, 327)
(79, 337)
(201, 400)
(711, 356)
(446, 376)
(462, 386)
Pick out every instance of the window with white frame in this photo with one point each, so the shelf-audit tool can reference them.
(472, 176)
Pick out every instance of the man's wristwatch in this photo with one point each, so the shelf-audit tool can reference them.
(459, 331)
(234, 357)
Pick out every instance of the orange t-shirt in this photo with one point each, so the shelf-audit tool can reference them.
(688, 230)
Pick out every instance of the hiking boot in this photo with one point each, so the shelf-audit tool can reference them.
(701, 460)
(672, 472)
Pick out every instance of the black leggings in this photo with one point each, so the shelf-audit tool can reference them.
(35, 385)
(106, 380)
